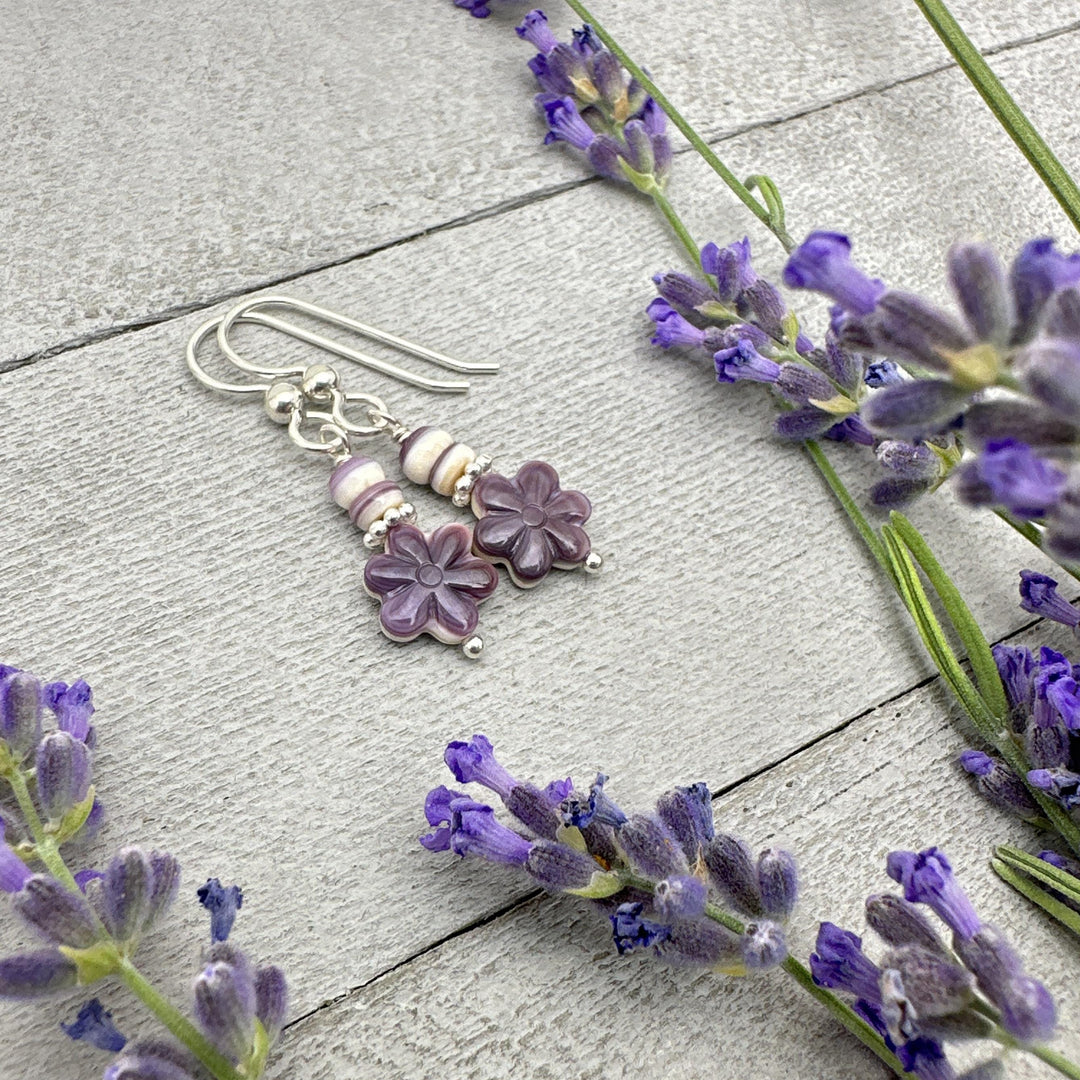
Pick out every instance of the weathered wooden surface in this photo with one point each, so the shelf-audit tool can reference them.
(173, 547)
(163, 155)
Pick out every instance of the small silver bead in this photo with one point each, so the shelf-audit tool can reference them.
(461, 498)
(473, 647)
(392, 517)
(592, 563)
(464, 484)
(484, 462)
(407, 512)
(318, 381)
(474, 470)
(372, 543)
(378, 529)
(281, 400)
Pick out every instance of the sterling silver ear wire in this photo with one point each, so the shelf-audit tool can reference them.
(426, 583)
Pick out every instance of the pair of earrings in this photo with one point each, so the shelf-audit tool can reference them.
(426, 583)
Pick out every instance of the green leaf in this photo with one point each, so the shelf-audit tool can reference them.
(1026, 887)
(1061, 880)
(978, 648)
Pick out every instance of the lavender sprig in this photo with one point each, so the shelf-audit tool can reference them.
(93, 921)
(675, 887)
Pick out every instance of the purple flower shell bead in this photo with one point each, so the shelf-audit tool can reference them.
(529, 523)
(429, 583)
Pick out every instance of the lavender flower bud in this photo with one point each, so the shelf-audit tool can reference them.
(1022, 421)
(651, 848)
(800, 385)
(978, 280)
(906, 326)
(742, 362)
(893, 493)
(631, 930)
(474, 831)
(1061, 317)
(1062, 536)
(679, 898)
(839, 963)
(534, 809)
(94, 1025)
(998, 783)
(20, 713)
(914, 409)
(1016, 666)
(731, 267)
(73, 706)
(535, 30)
(683, 290)
(605, 158)
(700, 943)
(671, 328)
(1050, 372)
(271, 999)
(910, 461)
(165, 886)
(778, 882)
(808, 423)
(731, 867)
(601, 843)
(125, 892)
(35, 974)
(223, 902)
(763, 302)
(898, 922)
(882, 373)
(152, 1059)
(763, 945)
(928, 879)
(934, 986)
(1027, 1010)
(595, 808)
(225, 1007)
(473, 762)
(63, 773)
(687, 812)
(559, 867)
(1037, 273)
(1038, 595)
(58, 914)
(822, 262)
(136, 888)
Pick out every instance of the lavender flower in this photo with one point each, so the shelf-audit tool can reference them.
(638, 865)
(153, 1059)
(927, 878)
(94, 1025)
(590, 103)
(1038, 594)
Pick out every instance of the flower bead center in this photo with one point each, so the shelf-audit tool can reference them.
(533, 515)
(430, 575)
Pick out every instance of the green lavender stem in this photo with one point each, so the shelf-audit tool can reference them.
(699, 144)
(44, 845)
(178, 1024)
(1011, 117)
(680, 229)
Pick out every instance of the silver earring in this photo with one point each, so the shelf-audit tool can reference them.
(426, 583)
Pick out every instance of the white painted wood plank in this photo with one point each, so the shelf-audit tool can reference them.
(540, 993)
(164, 155)
(175, 549)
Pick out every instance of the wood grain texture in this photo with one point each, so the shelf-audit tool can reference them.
(165, 155)
(540, 993)
(173, 547)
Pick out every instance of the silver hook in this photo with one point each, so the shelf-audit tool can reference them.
(247, 312)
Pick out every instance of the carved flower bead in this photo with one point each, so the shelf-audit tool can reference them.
(429, 583)
(529, 524)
